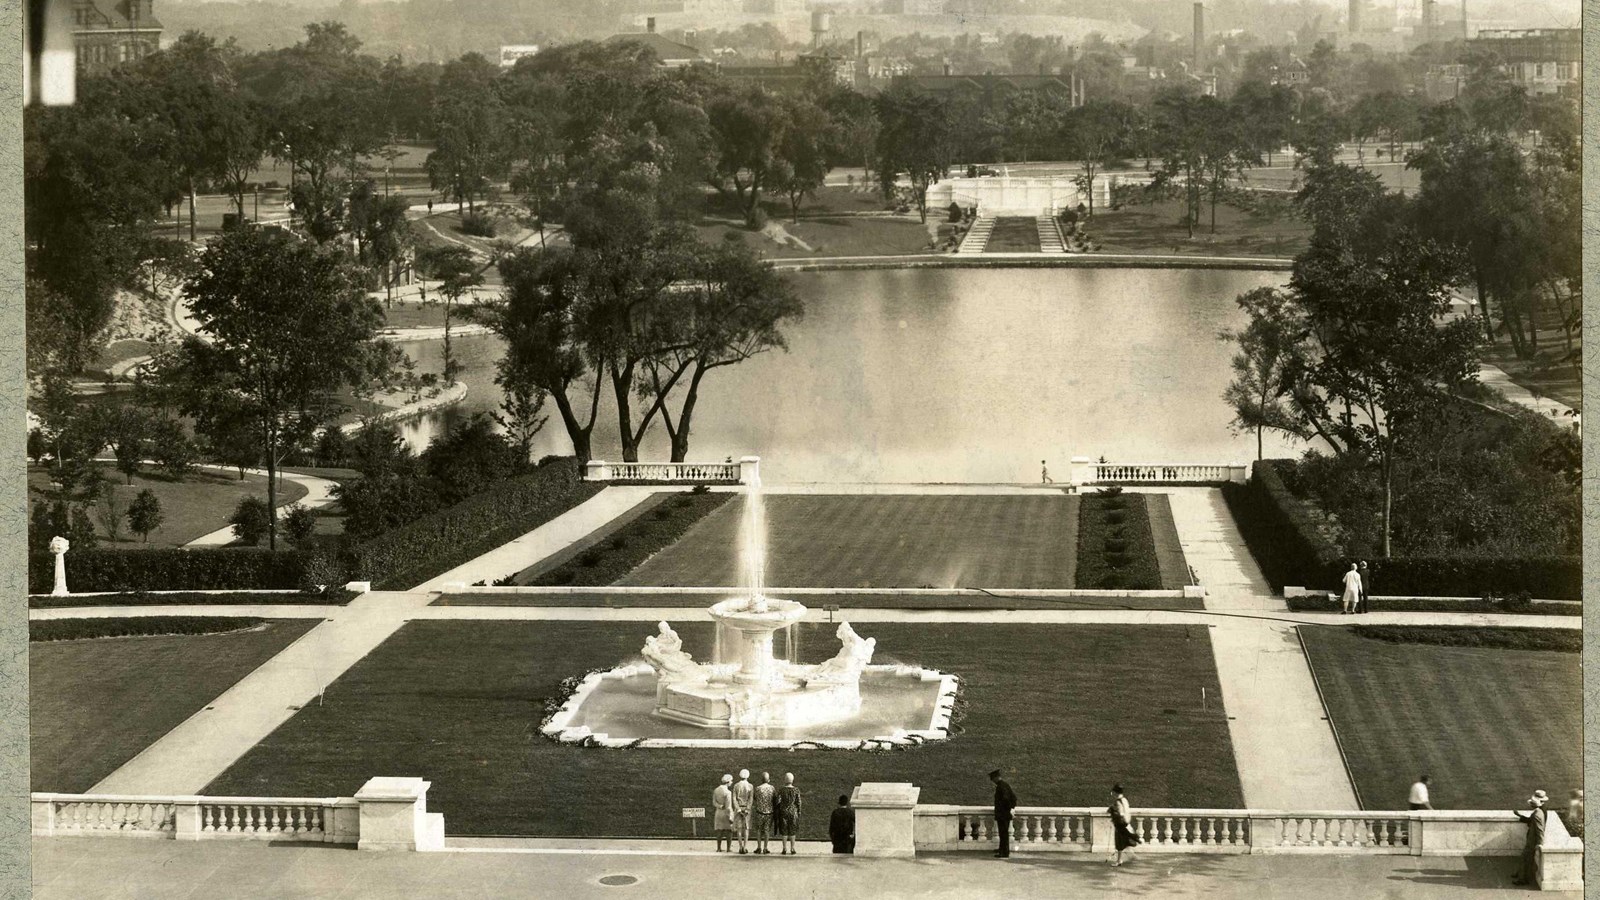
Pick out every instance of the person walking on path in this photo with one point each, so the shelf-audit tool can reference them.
(1528, 873)
(743, 793)
(722, 814)
(1352, 590)
(1044, 473)
(761, 808)
(1366, 587)
(1121, 823)
(842, 826)
(1005, 800)
(1419, 794)
(786, 813)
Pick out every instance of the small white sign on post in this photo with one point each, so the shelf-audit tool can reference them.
(691, 813)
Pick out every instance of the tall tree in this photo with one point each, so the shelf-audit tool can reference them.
(1097, 135)
(284, 326)
(915, 138)
(748, 126)
(1266, 365)
(458, 272)
(803, 152)
(469, 125)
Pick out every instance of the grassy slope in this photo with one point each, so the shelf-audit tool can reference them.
(884, 541)
(1489, 725)
(1067, 710)
(196, 506)
(1157, 228)
(95, 704)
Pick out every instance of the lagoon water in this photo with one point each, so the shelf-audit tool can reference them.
(955, 375)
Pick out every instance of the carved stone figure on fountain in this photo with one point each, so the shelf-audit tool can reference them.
(664, 652)
(845, 667)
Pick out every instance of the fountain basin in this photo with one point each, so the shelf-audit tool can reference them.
(899, 706)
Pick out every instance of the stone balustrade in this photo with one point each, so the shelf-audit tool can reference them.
(672, 472)
(386, 814)
(1087, 472)
(942, 828)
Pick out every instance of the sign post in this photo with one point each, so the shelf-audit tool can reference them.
(692, 813)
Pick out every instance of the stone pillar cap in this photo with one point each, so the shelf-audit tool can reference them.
(393, 788)
(885, 794)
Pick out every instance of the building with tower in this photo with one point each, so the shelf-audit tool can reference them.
(107, 33)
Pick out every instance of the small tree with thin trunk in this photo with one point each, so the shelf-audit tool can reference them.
(458, 272)
(1264, 369)
(144, 514)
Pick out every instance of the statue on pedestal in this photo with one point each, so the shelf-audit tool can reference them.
(664, 652)
(59, 546)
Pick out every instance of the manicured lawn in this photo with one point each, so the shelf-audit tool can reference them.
(417, 315)
(195, 506)
(883, 541)
(1013, 234)
(1066, 710)
(96, 703)
(609, 554)
(1158, 228)
(1489, 725)
(841, 236)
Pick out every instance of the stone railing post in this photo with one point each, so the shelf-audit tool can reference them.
(1238, 473)
(749, 469)
(1102, 834)
(885, 819)
(936, 827)
(596, 470)
(1265, 830)
(186, 818)
(59, 546)
(1081, 471)
(394, 814)
(43, 809)
(341, 823)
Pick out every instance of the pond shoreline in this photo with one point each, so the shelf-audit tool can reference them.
(1035, 261)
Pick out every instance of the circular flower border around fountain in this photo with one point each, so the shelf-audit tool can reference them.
(556, 725)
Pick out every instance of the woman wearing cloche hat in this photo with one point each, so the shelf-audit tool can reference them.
(1534, 819)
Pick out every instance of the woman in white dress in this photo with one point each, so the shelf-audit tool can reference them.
(1352, 589)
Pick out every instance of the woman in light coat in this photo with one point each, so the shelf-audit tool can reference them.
(722, 821)
(1352, 589)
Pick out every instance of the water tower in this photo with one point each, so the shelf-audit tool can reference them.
(821, 24)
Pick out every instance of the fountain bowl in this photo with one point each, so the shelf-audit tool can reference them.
(742, 613)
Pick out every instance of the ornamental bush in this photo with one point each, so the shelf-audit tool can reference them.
(1116, 548)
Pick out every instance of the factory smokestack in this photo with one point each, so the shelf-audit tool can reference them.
(1199, 33)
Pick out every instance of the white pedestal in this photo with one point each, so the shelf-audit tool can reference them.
(394, 815)
(885, 819)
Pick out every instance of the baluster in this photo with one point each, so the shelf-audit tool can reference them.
(1035, 829)
(961, 827)
(1211, 830)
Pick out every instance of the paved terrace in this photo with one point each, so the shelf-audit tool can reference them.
(73, 868)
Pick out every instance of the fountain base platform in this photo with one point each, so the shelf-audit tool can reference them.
(624, 707)
(784, 702)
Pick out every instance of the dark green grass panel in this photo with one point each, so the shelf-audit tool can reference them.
(96, 703)
(1065, 710)
(1489, 725)
(883, 541)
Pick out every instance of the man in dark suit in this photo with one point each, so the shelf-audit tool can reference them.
(842, 826)
(1005, 800)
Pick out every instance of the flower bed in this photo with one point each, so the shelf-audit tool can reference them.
(136, 626)
(1115, 546)
(621, 553)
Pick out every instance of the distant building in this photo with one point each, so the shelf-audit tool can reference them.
(510, 53)
(1292, 73)
(108, 33)
(1444, 82)
(669, 54)
(1542, 60)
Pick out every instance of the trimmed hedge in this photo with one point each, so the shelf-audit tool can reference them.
(1505, 606)
(1542, 577)
(437, 543)
(136, 626)
(176, 569)
(1115, 547)
(331, 597)
(621, 553)
(1286, 536)
(1283, 532)
(1561, 640)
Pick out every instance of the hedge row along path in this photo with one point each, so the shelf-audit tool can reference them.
(1286, 753)
(319, 493)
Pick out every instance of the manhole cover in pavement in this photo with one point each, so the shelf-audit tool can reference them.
(618, 880)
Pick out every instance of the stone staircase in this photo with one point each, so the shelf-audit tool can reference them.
(1050, 235)
(978, 236)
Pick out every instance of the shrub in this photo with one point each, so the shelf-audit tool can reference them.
(136, 626)
(1116, 548)
(955, 212)
(299, 524)
(251, 520)
(478, 224)
(756, 219)
(1321, 603)
(635, 543)
(336, 596)
(1287, 536)
(1561, 640)
(322, 573)
(197, 569)
(171, 448)
(442, 540)
(1543, 578)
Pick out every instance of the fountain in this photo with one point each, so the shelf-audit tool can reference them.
(755, 698)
